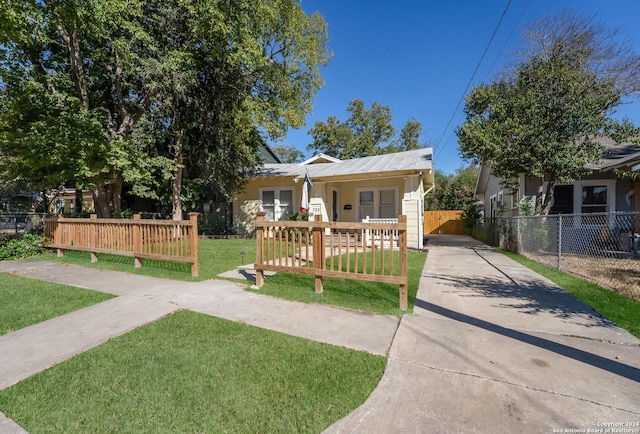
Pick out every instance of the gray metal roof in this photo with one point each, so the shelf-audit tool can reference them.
(616, 156)
(408, 161)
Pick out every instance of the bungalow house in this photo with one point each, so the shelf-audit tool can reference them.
(602, 190)
(378, 187)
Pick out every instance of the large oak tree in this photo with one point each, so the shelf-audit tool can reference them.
(99, 93)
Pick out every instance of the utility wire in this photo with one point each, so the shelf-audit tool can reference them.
(508, 39)
(437, 146)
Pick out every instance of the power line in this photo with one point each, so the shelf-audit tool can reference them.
(470, 81)
(508, 39)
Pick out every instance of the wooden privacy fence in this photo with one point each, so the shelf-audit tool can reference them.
(167, 240)
(443, 222)
(334, 249)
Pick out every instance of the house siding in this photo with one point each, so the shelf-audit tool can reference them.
(408, 200)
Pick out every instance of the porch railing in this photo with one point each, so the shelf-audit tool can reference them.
(333, 249)
(381, 237)
(167, 240)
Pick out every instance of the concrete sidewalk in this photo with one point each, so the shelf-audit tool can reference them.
(143, 299)
(494, 347)
(491, 346)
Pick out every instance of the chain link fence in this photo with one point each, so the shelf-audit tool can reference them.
(21, 222)
(603, 248)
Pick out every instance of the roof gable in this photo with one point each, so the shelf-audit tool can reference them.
(320, 158)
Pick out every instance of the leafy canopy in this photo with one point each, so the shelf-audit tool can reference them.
(103, 93)
(366, 132)
(453, 192)
(545, 119)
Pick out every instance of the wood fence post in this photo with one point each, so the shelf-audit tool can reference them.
(193, 244)
(137, 240)
(402, 238)
(259, 250)
(57, 236)
(93, 235)
(318, 252)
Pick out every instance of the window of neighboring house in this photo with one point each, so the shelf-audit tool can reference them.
(594, 199)
(562, 200)
(492, 207)
(378, 203)
(276, 203)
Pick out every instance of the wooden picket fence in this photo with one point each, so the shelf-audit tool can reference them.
(167, 240)
(374, 252)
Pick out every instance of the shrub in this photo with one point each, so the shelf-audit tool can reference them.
(20, 246)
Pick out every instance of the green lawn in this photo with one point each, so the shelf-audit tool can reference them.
(353, 294)
(218, 256)
(194, 373)
(622, 310)
(27, 301)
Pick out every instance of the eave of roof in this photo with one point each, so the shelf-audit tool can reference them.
(623, 155)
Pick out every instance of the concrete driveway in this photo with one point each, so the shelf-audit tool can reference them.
(493, 347)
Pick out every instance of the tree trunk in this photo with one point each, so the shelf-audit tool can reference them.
(79, 201)
(548, 199)
(101, 201)
(539, 193)
(176, 183)
(115, 194)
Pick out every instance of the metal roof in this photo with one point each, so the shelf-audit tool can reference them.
(408, 161)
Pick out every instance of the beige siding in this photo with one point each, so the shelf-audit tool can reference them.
(409, 196)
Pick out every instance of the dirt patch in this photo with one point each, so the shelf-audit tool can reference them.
(621, 275)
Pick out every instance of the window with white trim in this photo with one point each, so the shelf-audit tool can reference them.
(592, 196)
(276, 203)
(377, 203)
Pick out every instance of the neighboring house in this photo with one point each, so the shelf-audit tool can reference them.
(64, 201)
(379, 187)
(600, 191)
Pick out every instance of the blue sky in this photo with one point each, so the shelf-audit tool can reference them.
(417, 57)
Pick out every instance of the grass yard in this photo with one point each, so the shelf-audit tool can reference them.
(218, 256)
(27, 301)
(194, 373)
(353, 294)
(622, 310)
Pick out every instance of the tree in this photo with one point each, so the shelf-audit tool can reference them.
(366, 132)
(288, 154)
(74, 89)
(545, 118)
(453, 192)
(123, 91)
